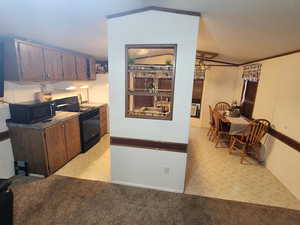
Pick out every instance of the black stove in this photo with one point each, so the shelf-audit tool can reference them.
(89, 119)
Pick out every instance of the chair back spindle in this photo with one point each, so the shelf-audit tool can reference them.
(211, 116)
(222, 106)
(216, 117)
(258, 129)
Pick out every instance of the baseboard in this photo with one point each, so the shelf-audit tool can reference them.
(36, 175)
(146, 186)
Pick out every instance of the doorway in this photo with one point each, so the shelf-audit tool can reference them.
(197, 97)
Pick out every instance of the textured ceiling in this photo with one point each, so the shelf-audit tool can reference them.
(238, 30)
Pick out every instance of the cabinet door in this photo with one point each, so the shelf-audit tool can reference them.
(72, 134)
(92, 65)
(103, 120)
(53, 64)
(56, 146)
(31, 62)
(69, 66)
(81, 68)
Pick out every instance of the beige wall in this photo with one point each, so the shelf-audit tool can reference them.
(220, 84)
(278, 100)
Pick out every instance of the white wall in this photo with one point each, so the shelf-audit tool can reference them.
(163, 170)
(147, 167)
(15, 92)
(152, 27)
(220, 84)
(99, 90)
(278, 100)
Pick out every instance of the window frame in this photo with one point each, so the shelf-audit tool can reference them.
(127, 94)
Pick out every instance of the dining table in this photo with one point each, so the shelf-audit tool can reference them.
(239, 126)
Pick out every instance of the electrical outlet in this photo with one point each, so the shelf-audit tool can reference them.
(166, 170)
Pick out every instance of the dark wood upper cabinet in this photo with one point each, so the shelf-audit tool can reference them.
(53, 64)
(92, 69)
(69, 66)
(103, 120)
(81, 67)
(31, 62)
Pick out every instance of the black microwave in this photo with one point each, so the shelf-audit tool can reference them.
(31, 112)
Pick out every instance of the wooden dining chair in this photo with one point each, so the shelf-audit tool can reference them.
(222, 106)
(221, 132)
(211, 124)
(253, 134)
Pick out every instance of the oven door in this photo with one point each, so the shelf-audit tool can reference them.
(89, 129)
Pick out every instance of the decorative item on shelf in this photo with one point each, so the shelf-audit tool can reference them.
(101, 67)
(131, 61)
(168, 62)
(151, 87)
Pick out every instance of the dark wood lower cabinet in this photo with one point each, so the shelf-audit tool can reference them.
(56, 146)
(72, 132)
(30, 145)
(103, 120)
(46, 150)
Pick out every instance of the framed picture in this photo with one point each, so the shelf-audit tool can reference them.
(101, 67)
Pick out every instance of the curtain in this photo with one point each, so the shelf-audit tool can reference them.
(252, 72)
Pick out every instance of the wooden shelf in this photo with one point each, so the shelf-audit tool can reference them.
(165, 78)
(150, 71)
(144, 116)
(147, 93)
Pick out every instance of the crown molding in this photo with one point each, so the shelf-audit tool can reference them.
(156, 8)
(270, 57)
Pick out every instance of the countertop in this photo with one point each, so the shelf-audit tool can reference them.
(93, 104)
(60, 117)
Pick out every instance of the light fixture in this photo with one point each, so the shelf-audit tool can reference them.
(201, 70)
(143, 51)
(85, 88)
(71, 88)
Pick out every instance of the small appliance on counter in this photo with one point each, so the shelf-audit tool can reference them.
(234, 110)
(45, 96)
(31, 112)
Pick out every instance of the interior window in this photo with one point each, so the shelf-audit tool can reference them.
(150, 81)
